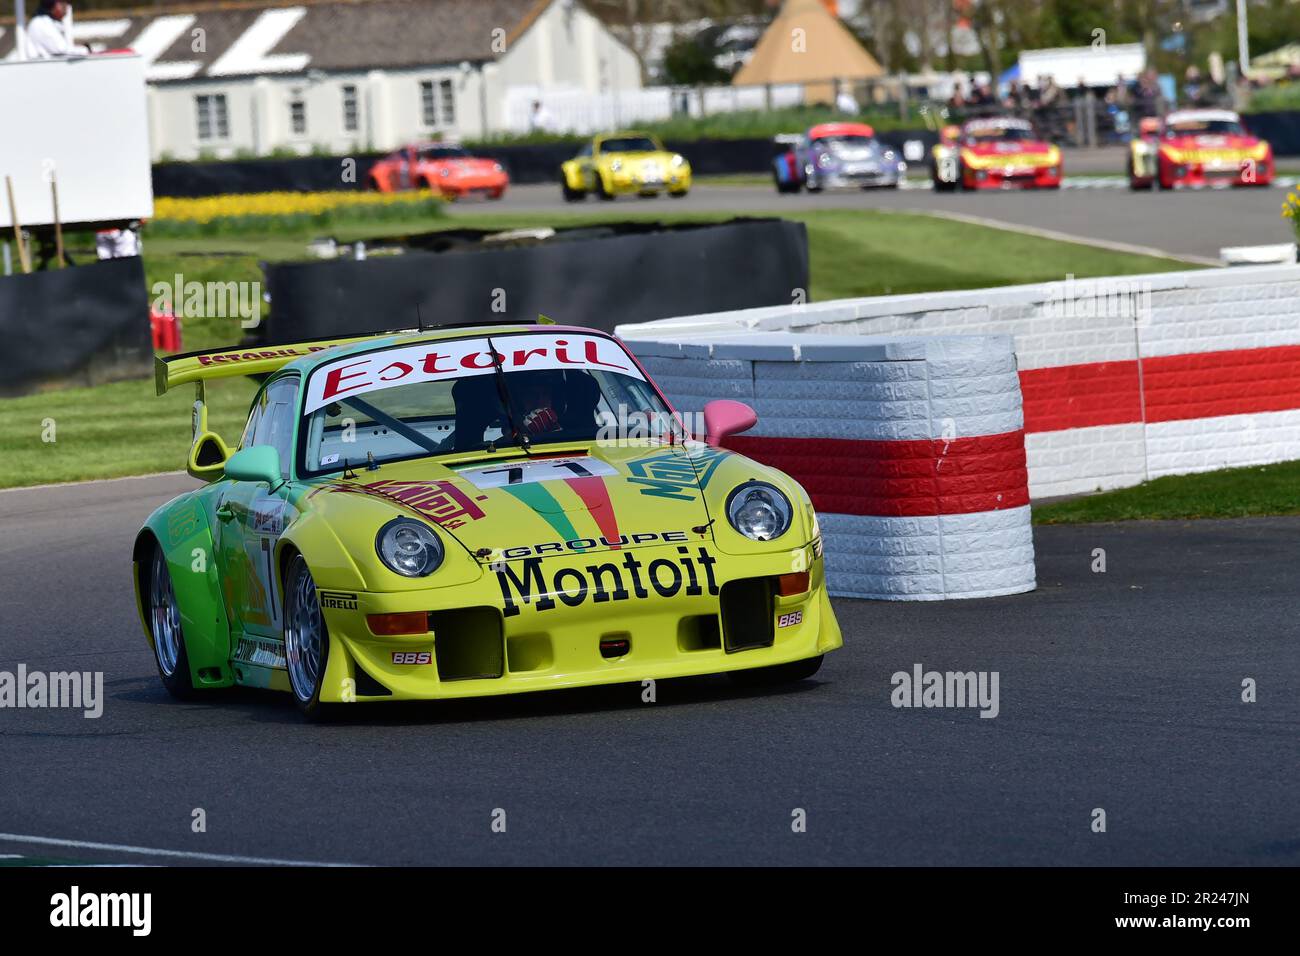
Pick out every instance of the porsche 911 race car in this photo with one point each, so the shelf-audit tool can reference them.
(624, 164)
(997, 153)
(836, 156)
(462, 513)
(1199, 147)
(443, 167)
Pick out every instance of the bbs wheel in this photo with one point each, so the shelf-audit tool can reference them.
(165, 628)
(306, 640)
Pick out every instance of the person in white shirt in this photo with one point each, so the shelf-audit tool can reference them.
(46, 37)
(541, 120)
(845, 103)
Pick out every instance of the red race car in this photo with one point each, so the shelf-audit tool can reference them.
(996, 153)
(443, 167)
(1198, 148)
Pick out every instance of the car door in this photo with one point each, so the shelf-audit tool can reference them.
(251, 517)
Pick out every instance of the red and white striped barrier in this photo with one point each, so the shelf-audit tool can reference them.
(912, 450)
(1124, 378)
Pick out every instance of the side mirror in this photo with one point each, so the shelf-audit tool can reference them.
(725, 417)
(208, 456)
(258, 463)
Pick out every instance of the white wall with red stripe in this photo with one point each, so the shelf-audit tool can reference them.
(912, 450)
(1123, 378)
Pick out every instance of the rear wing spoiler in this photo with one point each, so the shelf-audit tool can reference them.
(173, 370)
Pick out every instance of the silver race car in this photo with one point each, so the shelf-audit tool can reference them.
(836, 156)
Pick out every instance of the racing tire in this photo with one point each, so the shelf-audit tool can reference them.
(1135, 186)
(777, 674)
(306, 641)
(678, 193)
(496, 194)
(602, 190)
(572, 195)
(785, 189)
(164, 616)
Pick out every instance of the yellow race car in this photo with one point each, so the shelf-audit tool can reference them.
(623, 163)
(464, 512)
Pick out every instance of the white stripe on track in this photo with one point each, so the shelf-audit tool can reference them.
(149, 851)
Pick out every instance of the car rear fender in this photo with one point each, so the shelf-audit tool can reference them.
(182, 529)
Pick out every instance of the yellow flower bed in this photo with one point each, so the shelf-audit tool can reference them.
(210, 208)
(1291, 205)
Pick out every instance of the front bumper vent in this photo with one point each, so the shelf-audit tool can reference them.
(747, 614)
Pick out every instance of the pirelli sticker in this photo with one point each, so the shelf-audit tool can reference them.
(337, 600)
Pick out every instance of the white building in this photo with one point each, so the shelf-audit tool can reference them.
(337, 76)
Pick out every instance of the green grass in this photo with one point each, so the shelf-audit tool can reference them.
(123, 429)
(109, 430)
(1231, 493)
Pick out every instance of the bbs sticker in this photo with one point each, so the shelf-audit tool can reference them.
(412, 657)
(790, 620)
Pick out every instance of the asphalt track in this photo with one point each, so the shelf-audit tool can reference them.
(1184, 223)
(1118, 690)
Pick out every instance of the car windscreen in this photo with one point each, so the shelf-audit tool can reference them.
(440, 397)
(853, 141)
(999, 134)
(629, 144)
(444, 152)
(1204, 128)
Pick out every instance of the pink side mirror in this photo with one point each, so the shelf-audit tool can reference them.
(725, 417)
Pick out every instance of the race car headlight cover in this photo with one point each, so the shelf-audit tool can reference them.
(759, 511)
(825, 160)
(409, 548)
(677, 162)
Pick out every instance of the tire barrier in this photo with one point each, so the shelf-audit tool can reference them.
(1124, 378)
(912, 450)
(590, 276)
(79, 326)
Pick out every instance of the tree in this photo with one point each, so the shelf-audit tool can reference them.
(689, 61)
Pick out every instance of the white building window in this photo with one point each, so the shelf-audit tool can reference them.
(351, 117)
(428, 104)
(212, 116)
(298, 116)
(448, 103)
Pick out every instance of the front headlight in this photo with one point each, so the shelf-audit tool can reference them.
(759, 511)
(678, 161)
(616, 165)
(409, 548)
(825, 160)
(497, 168)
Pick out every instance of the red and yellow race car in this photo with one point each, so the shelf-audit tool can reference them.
(1000, 152)
(1201, 147)
(443, 167)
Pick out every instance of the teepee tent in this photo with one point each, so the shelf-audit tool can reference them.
(807, 44)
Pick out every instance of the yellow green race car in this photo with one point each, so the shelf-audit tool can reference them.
(469, 512)
(624, 163)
